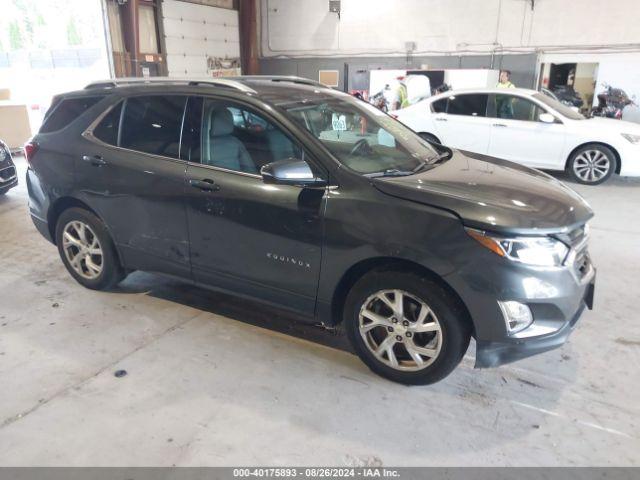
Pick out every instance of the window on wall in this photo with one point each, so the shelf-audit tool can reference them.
(147, 28)
(115, 27)
(152, 124)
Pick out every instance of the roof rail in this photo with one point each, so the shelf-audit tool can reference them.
(282, 78)
(218, 82)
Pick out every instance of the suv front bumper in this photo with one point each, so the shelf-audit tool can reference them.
(492, 354)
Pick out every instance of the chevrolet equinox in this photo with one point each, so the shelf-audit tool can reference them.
(283, 191)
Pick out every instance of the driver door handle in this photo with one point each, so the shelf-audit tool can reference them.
(499, 125)
(96, 160)
(441, 119)
(206, 185)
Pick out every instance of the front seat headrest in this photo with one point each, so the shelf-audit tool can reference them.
(222, 122)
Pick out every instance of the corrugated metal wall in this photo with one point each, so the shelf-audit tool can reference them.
(199, 38)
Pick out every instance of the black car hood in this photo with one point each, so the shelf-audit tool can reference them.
(492, 194)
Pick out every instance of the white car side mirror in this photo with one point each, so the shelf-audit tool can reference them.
(546, 118)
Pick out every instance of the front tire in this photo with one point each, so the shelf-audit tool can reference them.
(405, 327)
(592, 164)
(86, 249)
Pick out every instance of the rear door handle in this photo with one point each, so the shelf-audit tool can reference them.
(206, 185)
(499, 125)
(96, 161)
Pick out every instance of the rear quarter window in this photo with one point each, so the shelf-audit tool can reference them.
(66, 111)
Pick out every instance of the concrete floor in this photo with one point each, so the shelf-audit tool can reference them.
(217, 381)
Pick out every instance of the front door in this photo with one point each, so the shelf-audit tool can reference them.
(518, 135)
(465, 125)
(253, 239)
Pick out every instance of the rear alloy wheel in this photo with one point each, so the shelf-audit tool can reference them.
(86, 249)
(405, 327)
(592, 164)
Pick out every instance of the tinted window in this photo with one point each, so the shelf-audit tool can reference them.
(473, 105)
(237, 139)
(556, 105)
(67, 111)
(107, 129)
(516, 108)
(152, 124)
(440, 106)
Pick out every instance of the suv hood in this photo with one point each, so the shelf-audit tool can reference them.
(493, 194)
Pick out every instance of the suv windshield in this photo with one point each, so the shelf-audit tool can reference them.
(559, 107)
(362, 137)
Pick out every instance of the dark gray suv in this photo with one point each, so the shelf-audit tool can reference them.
(280, 190)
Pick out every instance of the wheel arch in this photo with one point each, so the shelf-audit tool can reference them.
(604, 144)
(60, 205)
(363, 267)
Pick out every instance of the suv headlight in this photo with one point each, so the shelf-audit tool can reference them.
(3, 153)
(635, 139)
(538, 251)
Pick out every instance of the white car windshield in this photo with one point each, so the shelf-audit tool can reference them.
(559, 107)
(362, 137)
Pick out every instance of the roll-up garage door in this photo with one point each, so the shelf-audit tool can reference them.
(201, 40)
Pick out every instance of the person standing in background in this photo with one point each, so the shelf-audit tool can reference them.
(504, 81)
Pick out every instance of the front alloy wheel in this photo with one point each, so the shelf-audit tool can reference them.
(408, 328)
(592, 164)
(400, 330)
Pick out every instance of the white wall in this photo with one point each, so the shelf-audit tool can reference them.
(381, 27)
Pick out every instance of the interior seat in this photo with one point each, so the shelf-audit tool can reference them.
(224, 149)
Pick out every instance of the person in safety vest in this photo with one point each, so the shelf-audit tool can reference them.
(402, 97)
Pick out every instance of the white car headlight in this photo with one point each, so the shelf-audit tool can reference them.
(635, 139)
(537, 251)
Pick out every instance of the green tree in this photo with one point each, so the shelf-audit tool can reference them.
(16, 41)
(73, 37)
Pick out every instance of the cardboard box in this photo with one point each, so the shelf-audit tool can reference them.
(15, 129)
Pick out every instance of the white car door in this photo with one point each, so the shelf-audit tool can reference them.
(464, 124)
(518, 134)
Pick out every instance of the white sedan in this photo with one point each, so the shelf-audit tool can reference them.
(530, 128)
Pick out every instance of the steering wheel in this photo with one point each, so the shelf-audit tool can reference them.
(363, 145)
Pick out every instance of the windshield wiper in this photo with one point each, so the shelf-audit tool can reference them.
(389, 172)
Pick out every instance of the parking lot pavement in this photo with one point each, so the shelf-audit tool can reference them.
(212, 380)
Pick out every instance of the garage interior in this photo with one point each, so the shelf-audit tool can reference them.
(157, 372)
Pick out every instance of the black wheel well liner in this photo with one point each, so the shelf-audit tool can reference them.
(615, 152)
(358, 270)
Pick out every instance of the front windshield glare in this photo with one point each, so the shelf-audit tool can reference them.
(362, 137)
(559, 107)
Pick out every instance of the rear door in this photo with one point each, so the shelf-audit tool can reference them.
(464, 125)
(131, 174)
(253, 239)
(518, 135)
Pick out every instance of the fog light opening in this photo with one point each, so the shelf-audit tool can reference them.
(517, 316)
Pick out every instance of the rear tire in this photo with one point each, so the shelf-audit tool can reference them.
(592, 164)
(420, 342)
(86, 249)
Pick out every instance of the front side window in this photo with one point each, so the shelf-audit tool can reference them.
(559, 107)
(439, 106)
(235, 138)
(473, 105)
(360, 136)
(516, 108)
(152, 124)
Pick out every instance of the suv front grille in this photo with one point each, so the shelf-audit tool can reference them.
(7, 174)
(582, 264)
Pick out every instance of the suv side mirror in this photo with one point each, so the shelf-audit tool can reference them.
(290, 171)
(546, 118)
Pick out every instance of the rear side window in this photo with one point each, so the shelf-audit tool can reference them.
(152, 124)
(474, 105)
(107, 129)
(67, 111)
(439, 106)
